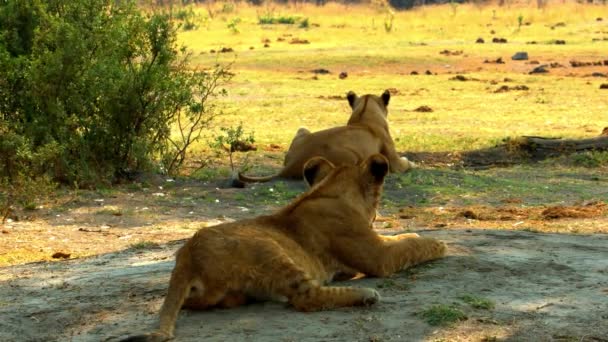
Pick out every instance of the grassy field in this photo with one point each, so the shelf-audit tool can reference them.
(274, 91)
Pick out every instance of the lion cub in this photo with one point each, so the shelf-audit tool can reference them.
(295, 252)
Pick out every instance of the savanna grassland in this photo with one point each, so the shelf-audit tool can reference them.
(528, 255)
(287, 76)
(274, 87)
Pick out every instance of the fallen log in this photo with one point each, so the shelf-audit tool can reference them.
(513, 151)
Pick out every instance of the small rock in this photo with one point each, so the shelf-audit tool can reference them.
(251, 48)
(598, 19)
(604, 86)
(414, 73)
(60, 255)
(428, 72)
(266, 45)
(560, 42)
(226, 49)
(343, 75)
(541, 69)
(499, 40)
(423, 109)
(480, 41)
(459, 78)
(299, 41)
(598, 74)
(520, 56)
(320, 71)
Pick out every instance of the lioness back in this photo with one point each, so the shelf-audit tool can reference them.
(365, 134)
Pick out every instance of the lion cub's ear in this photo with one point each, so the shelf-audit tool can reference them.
(351, 97)
(377, 165)
(386, 96)
(315, 170)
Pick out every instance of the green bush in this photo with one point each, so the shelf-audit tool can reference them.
(269, 19)
(101, 86)
(90, 92)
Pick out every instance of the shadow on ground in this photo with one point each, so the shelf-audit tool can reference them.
(544, 287)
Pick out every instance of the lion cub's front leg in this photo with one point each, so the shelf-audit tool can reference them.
(382, 256)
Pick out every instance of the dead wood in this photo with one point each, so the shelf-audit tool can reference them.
(512, 151)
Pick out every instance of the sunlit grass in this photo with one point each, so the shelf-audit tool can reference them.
(273, 92)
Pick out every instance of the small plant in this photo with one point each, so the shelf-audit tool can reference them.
(478, 302)
(227, 8)
(304, 23)
(443, 315)
(233, 139)
(144, 245)
(388, 20)
(520, 21)
(454, 7)
(233, 25)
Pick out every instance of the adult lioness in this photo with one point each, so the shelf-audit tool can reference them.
(295, 252)
(365, 134)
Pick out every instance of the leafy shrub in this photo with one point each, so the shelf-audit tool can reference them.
(91, 89)
(230, 139)
(268, 19)
(590, 159)
(304, 23)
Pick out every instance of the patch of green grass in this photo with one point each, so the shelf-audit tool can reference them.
(211, 173)
(388, 283)
(269, 19)
(278, 193)
(590, 159)
(443, 315)
(144, 245)
(478, 302)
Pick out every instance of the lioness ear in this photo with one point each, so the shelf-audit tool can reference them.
(378, 167)
(316, 169)
(351, 97)
(386, 96)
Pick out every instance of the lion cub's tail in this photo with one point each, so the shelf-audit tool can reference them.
(179, 288)
(253, 179)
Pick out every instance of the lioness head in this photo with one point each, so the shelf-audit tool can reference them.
(368, 107)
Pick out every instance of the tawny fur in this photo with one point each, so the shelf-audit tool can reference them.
(366, 133)
(294, 253)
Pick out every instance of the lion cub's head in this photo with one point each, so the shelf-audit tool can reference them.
(354, 182)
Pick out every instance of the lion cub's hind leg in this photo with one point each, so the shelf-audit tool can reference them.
(213, 298)
(312, 297)
(306, 294)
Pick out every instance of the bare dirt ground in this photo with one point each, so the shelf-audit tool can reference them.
(544, 287)
(113, 253)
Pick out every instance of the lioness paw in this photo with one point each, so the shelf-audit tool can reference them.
(407, 164)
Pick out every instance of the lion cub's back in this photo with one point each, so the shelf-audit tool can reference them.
(244, 249)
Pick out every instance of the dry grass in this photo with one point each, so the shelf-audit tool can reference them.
(274, 93)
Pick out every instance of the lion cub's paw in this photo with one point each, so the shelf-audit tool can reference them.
(442, 248)
(370, 296)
